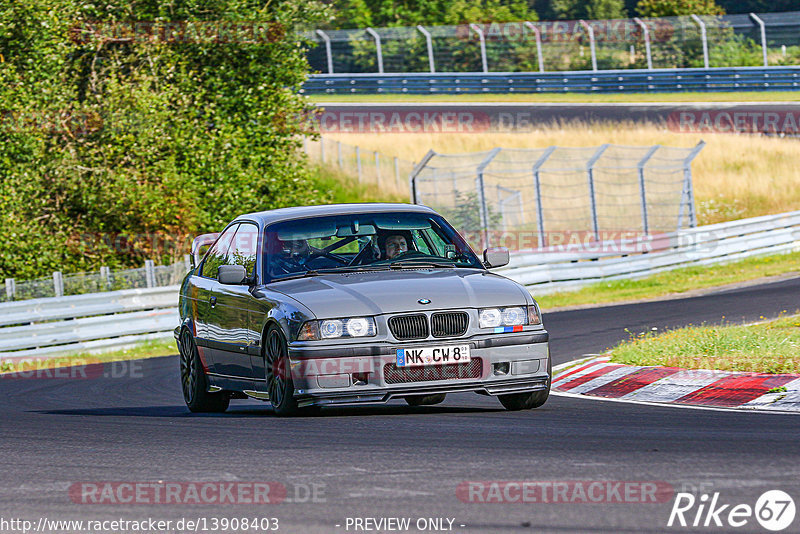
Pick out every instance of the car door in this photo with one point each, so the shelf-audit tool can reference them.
(209, 324)
(235, 304)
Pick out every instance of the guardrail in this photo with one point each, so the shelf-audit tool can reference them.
(92, 322)
(573, 266)
(101, 321)
(613, 81)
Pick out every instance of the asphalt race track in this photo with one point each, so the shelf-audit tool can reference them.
(396, 461)
(492, 117)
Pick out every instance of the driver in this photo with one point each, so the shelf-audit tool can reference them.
(293, 253)
(393, 245)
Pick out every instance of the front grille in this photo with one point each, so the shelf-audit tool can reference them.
(449, 324)
(428, 373)
(409, 326)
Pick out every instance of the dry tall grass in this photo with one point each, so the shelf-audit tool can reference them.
(735, 176)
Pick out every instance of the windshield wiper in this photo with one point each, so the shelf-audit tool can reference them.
(399, 264)
(353, 268)
(297, 275)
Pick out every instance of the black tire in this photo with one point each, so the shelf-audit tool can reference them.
(527, 401)
(194, 380)
(425, 400)
(278, 373)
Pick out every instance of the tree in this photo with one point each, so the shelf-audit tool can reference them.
(379, 13)
(591, 9)
(118, 136)
(674, 8)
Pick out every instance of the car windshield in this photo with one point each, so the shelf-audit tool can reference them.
(364, 241)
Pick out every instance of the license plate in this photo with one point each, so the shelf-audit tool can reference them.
(432, 355)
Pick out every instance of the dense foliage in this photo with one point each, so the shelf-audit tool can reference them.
(117, 137)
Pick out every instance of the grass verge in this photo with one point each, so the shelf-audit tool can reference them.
(750, 96)
(678, 281)
(768, 347)
(341, 188)
(146, 349)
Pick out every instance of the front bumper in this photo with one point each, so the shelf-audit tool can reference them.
(365, 373)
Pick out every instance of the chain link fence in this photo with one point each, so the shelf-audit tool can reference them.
(388, 173)
(667, 42)
(59, 285)
(541, 197)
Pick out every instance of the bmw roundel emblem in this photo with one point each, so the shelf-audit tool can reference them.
(424, 301)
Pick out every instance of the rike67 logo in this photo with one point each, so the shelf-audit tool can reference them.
(774, 510)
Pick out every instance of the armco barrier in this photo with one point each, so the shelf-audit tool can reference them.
(92, 322)
(103, 321)
(555, 269)
(611, 81)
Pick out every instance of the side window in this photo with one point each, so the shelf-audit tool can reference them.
(217, 255)
(438, 244)
(244, 247)
(422, 245)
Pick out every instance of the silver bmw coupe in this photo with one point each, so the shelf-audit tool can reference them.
(351, 304)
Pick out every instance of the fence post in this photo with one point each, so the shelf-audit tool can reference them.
(327, 49)
(322, 148)
(11, 288)
(149, 273)
(187, 262)
(688, 186)
(58, 284)
(429, 43)
(412, 178)
(305, 146)
(377, 168)
(538, 35)
(592, 196)
(396, 172)
(642, 190)
(105, 277)
(377, 38)
(482, 195)
(646, 35)
(358, 162)
(760, 22)
(478, 30)
(703, 38)
(339, 153)
(590, 31)
(537, 182)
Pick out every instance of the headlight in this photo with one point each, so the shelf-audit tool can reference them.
(337, 328)
(513, 316)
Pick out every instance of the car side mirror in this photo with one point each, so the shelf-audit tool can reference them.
(232, 274)
(495, 257)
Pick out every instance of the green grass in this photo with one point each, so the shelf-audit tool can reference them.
(341, 188)
(674, 282)
(146, 349)
(768, 347)
(756, 96)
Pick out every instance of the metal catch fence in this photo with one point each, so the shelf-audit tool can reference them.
(532, 198)
(60, 285)
(654, 43)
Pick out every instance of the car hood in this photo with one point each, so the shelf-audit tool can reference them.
(378, 292)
